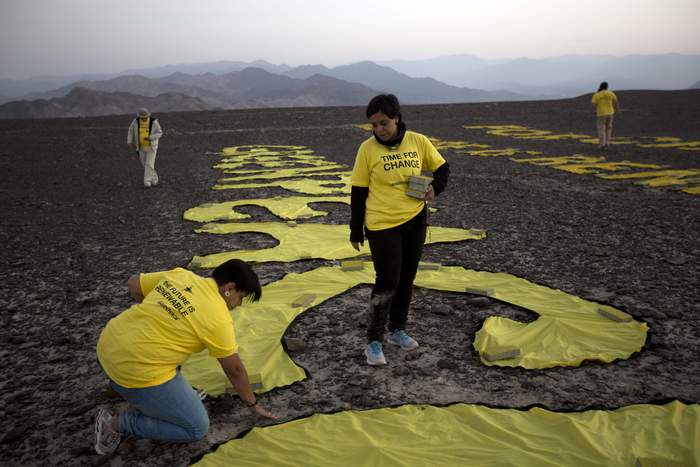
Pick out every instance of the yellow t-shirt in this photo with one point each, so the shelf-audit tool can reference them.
(144, 133)
(181, 314)
(385, 171)
(603, 101)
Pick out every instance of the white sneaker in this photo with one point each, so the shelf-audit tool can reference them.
(106, 439)
(147, 184)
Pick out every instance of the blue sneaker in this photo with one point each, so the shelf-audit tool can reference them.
(403, 340)
(374, 353)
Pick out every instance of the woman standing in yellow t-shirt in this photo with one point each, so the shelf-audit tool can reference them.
(393, 221)
(605, 104)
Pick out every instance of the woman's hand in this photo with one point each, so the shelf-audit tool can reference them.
(356, 245)
(261, 412)
(429, 193)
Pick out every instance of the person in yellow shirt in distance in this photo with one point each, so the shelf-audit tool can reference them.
(178, 313)
(605, 104)
(394, 223)
(143, 136)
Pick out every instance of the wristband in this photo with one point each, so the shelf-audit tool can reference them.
(250, 406)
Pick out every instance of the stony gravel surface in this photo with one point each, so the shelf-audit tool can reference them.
(76, 223)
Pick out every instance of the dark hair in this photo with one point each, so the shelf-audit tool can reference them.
(239, 272)
(603, 85)
(387, 104)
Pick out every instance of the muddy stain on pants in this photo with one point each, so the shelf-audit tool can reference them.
(395, 254)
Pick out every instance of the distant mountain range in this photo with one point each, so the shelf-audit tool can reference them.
(410, 90)
(229, 84)
(11, 89)
(563, 76)
(248, 88)
(82, 102)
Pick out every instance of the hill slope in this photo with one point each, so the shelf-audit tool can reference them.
(82, 102)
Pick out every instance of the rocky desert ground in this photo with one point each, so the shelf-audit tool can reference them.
(77, 222)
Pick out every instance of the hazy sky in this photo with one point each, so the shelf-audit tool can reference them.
(61, 37)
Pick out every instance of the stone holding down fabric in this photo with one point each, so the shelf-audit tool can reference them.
(569, 330)
(461, 434)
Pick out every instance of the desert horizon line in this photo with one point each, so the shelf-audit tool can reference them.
(293, 65)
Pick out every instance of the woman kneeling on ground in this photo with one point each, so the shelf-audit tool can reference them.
(178, 314)
(392, 216)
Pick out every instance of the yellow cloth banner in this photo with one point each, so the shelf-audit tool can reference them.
(336, 185)
(568, 331)
(292, 207)
(281, 173)
(307, 241)
(523, 132)
(464, 434)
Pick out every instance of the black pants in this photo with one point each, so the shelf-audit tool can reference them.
(395, 254)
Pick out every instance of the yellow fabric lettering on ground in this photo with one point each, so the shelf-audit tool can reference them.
(263, 148)
(468, 434)
(568, 331)
(686, 145)
(500, 152)
(270, 163)
(311, 186)
(663, 178)
(304, 241)
(560, 160)
(595, 165)
(616, 140)
(442, 144)
(292, 207)
(307, 157)
(584, 169)
(282, 173)
(523, 132)
(653, 174)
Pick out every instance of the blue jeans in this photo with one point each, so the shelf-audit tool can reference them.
(170, 412)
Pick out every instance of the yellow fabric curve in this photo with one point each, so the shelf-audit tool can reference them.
(466, 434)
(292, 207)
(306, 241)
(560, 160)
(523, 132)
(270, 162)
(675, 173)
(311, 186)
(283, 173)
(503, 152)
(263, 149)
(568, 331)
